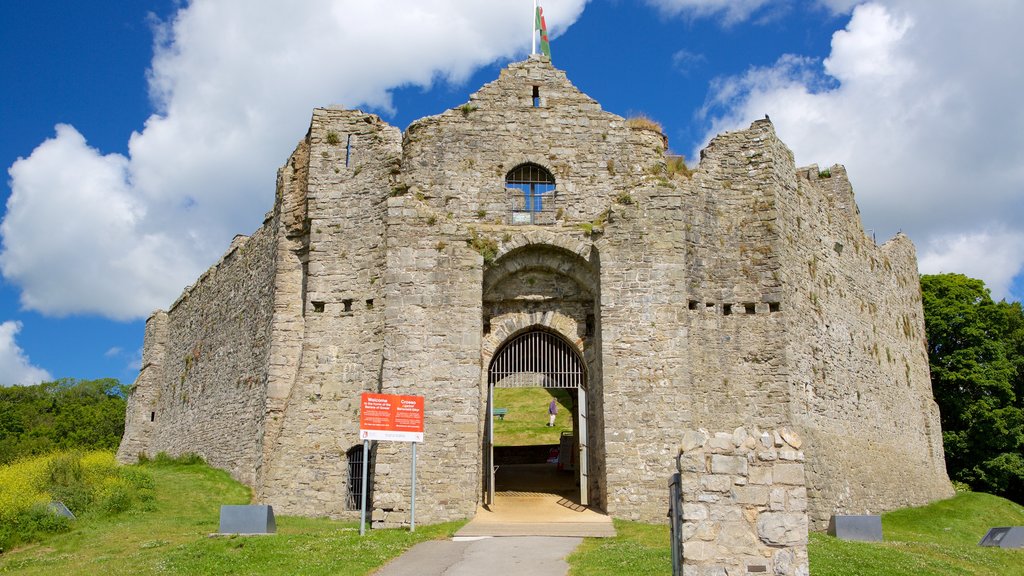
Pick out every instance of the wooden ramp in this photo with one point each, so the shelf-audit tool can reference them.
(537, 514)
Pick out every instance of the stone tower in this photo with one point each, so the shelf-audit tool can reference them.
(745, 294)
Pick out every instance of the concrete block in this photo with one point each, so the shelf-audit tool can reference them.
(1004, 537)
(249, 519)
(865, 528)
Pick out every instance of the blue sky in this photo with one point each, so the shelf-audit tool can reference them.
(140, 136)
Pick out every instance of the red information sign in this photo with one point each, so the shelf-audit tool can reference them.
(391, 417)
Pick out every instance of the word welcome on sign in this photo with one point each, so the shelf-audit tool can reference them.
(391, 417)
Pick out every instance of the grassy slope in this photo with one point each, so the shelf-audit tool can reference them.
(173, 539)
(940, 539)
(527, 418)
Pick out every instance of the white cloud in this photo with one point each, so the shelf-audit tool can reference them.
(15, 367)
(922, 106)
(994, 255)
(233, 83)
(732, 11)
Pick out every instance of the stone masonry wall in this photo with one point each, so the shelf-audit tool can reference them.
(744, 504)
(856, 350)
(205, 384)
(351, 163)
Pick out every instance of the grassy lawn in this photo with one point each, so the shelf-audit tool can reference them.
(173, 538)
(940, 539)
(527, 418)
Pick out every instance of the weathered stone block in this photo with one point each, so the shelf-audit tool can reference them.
(782, 528)
(721, 464)
(755, 495)
(788, 474)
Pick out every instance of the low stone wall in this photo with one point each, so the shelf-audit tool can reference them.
(744, 503)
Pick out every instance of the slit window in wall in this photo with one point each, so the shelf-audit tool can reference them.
(347, 303)
(487, 325)
(773, 306)
(152, 416)
(369, 303)
(591, 325)
(694, 304)
(536, 96)
(726, 309)
(750, 307)
(318, 306)
(348, 150)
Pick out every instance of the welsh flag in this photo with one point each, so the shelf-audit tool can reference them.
(542, 27)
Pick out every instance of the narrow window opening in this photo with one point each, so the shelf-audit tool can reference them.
(591, 324)
(348, 304)
(727, 309)
(710, 306)
(348, 150)
(369, 304)
(487, 325)
(773, 306)
(694, 304)
(751, 308)
(318, 306)
(536, 96)
(152, 416)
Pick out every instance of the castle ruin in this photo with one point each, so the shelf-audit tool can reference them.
(529, 238)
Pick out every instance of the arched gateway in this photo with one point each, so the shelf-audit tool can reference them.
(539, 359)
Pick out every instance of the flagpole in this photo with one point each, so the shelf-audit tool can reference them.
(533, 30)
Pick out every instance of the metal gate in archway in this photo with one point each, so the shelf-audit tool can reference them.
(538, 359)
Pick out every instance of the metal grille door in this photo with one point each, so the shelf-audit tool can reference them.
(536, 360)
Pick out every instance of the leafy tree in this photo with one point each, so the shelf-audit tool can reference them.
(62, 414)
(976, 353)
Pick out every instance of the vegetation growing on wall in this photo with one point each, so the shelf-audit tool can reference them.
(976, 354)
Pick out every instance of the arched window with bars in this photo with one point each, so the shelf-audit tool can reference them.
(533, 194)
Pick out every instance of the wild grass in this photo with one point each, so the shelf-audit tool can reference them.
(89, 484)
(527, 418)
(174, 537)
(644, 123)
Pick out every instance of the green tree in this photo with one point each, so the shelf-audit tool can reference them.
(976, 353)
(62, 414)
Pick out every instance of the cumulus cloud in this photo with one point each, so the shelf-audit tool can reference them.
(921, 107)
(15, 367)
(233, 83)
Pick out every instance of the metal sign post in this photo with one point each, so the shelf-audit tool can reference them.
(395, 418)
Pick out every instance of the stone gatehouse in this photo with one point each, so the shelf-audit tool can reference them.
(529, 238)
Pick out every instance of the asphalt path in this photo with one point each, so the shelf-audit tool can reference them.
(502, 556)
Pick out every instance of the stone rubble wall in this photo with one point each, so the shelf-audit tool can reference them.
(857, 355)
(335, 286)
(743, 295)
(204, 381)
(743, 502)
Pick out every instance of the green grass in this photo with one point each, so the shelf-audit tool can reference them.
(527, 418)
(173, 537)
(641, 549)
(938, 539)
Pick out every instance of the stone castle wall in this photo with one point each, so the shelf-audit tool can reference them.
(744, 295)
(858, 357)
(203, 386)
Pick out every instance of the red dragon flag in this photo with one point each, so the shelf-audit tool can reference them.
(542, 27)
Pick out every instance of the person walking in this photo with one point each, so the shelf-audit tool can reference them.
(552, 412)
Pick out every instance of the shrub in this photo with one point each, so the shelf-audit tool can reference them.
(88, 483)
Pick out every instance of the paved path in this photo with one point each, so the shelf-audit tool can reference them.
(517, 556)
